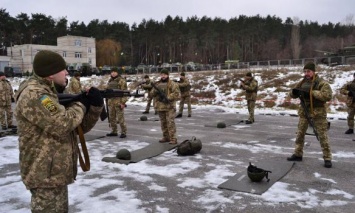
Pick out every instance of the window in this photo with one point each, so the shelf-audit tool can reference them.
(64, 54)
(77, 43)
(89, 60)
(77, 54)
(89, 49)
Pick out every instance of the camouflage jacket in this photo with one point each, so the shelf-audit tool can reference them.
(117, 83)
(321, 93)
(47, 134)
(345, 91)
(147, 85)
(6, 93)
(74, 86)
(251, 89)
(185, 86)
(172, 92)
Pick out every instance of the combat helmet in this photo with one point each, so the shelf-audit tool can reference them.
(196, 144)
(123, 154)
(257, 174)
(143, 118)
(221, 125)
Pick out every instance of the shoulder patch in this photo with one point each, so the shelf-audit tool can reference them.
(48, 104)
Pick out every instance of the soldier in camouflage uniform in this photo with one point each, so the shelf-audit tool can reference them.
(166, 107)
(116, 105)
(6, 97)
(47, 138)
(185, 86)
(75, 85)
(250, 85)
(147, 87)
(316, 93)
(349, 90)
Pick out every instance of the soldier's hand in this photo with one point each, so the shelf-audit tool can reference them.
(95, 97)
(12, 100)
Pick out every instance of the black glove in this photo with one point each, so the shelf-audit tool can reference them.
(95, 97)
(85, 101)
(300, 92)
(12, 100)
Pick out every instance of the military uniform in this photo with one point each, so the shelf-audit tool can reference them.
(350, 103)
(251, 88)
(320, 93)
(74, 86)
(148, 87)
(185, 86)
(48, 142)
(6, 95)
(167, 111)
(116, 113)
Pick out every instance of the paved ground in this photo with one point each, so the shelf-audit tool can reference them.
(308, 187)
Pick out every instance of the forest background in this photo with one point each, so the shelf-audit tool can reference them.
(201, 40)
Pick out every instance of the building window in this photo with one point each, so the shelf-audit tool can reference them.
(89, 49)
(77, 43)
(89, 60)
(64, 54)
(77, 54)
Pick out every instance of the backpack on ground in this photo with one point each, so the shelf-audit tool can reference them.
(189, 147)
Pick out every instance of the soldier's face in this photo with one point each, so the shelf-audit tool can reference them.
(164, 76)
(60, 78)
(308, 73)
(114, 74)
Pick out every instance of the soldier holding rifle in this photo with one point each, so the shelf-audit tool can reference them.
(313, 93)
(349, 90)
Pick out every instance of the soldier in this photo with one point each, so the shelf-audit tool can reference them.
(74, 84)
(316, 93)
(250, 85)
(147, 87)
(166, 94)
(349, 90)
(185, 86)
(47, 139)
(6, 98)
(116, 105)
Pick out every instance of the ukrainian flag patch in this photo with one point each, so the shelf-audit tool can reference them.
(48, 104)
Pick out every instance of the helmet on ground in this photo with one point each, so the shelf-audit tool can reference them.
(256, 174)
(196, 144)
(143, 118)
(221, 125)
(123, 154)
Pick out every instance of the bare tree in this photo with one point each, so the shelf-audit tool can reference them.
(295, 38)
(349, 20)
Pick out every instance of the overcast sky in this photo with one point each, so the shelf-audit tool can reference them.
(130, 11)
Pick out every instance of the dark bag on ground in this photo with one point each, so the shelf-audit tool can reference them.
(189, 147)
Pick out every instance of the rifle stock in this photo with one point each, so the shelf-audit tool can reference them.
(161, 94)
(308, 117)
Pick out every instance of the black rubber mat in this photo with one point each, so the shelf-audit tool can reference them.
(227, 122)
(241, 182)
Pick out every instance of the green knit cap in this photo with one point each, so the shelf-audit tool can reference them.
(182, 74)
(249, 74)
(165, 71)
(310, 66)
(47, 63)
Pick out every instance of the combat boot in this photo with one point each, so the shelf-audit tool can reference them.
(327, 164)
(294, 158)
(189, 115)
(123, 135)
(349, 131)
(178, 115)
(4, 128)
(248, 122)
(112, 134)
(145, 112)
(173, 141)
(164, 140)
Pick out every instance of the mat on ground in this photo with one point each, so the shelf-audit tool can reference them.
(229, 122)
(242, 183)
(90, 137)
(149, 151)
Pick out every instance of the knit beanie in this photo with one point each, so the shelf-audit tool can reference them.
(165, 71)
(248, 74)
(310, 66)
(47, 63)
(182, 74)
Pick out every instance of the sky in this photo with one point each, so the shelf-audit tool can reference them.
(134, 11)
(127, 199)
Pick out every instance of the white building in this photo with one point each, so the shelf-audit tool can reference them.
(76, 51)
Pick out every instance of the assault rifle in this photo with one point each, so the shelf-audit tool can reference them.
(308, 117)
(351, 93)
(162, 95)
(66, 99)
(239, 79)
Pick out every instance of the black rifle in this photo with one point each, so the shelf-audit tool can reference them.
(308, 117)
(162, 95)
(239, 79)
(66, 99)
(351, 93)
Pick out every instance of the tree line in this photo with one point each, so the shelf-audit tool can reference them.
(201, 40)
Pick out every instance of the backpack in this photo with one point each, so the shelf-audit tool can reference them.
(189, 147)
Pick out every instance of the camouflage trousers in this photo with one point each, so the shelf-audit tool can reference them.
(48, 200)
(251, 107)
(321, 125)
(167, 123)
(6, 119)
(183, 100)
(350, 118)
(149, 102)
(116, 116)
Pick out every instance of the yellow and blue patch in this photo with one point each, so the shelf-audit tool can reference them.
(48, 104)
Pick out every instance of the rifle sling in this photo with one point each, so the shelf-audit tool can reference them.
(85, 165)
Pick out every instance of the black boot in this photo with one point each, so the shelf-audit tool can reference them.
(145, 112)
(178, 115)
(189, 115)
(123, 135)
(294, 158)
(248, 122)
(327, 164)
(112, 134)
(349, 131)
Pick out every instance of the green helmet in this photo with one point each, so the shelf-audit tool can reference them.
(256, 174)
(196, 144)
(123, 154)
(221, 125)
(143, 118)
